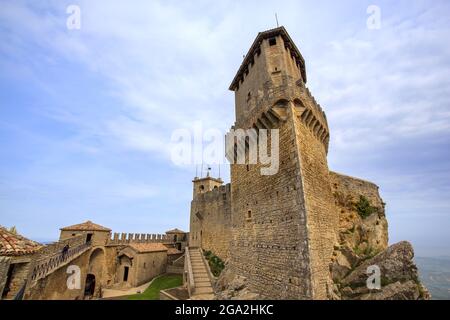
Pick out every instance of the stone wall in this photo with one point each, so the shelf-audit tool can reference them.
(372, 230)
(359, 237)
(98, 238)
(54, 286)
(125, 238)
(210, 226)
(269, 244)
(322, 219)
(149, 265)
(284, 225)
(4, 267)
(18, 277)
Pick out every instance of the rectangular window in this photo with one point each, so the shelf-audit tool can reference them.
(272, 41)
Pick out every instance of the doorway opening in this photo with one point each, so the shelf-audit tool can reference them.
(125, 274)
(89, 287)
(7, 288)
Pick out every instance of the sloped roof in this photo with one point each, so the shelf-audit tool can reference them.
(175, 231)
(280, 31)
(85, 226)
(148, 247)
(16, 245)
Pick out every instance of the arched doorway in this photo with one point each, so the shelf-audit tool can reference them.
(89, 287)
(95, 273)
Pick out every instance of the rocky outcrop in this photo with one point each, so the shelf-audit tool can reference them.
(363, 242)
(398, 277)
(233, 287)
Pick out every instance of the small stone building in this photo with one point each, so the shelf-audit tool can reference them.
(16, 253)
(138, 263)
(96, 234)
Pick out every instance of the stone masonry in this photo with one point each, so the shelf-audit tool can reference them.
(288, 235)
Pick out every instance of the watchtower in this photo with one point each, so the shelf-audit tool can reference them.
(283, 225)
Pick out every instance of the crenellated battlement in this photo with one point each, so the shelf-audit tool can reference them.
(125, 238)
(222, 192)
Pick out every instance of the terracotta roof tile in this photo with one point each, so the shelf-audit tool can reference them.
(148, 247)
(15, 245)
(85, 226)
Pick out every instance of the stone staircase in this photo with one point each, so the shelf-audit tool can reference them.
(202, 282)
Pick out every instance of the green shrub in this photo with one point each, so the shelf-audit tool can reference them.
(215, 263)
(364, 208)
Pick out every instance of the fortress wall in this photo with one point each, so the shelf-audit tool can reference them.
(109, 273)
(54, 286)
(322, 220)
(355, 232)
(356, 187)
(270, 247)
(125, 238)
(212, 231)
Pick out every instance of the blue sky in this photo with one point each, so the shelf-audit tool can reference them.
(87, 115)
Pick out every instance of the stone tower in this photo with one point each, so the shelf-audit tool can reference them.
(282, 225)
(210, 219)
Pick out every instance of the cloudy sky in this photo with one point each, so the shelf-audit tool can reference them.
(87, 115)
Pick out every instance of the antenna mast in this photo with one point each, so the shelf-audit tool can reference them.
(276, 18)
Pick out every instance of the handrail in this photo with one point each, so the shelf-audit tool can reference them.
(190, 275)
(47, 265)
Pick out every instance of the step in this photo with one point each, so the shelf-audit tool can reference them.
(202, 268)
(197, 260)
(199, 267)
(202, 275)
(204, 283)
(197, 264)
(203, 290)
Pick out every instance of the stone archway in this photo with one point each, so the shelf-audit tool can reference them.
(89, 286)
(95, 272)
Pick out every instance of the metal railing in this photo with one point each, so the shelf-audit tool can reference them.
(49, 264)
